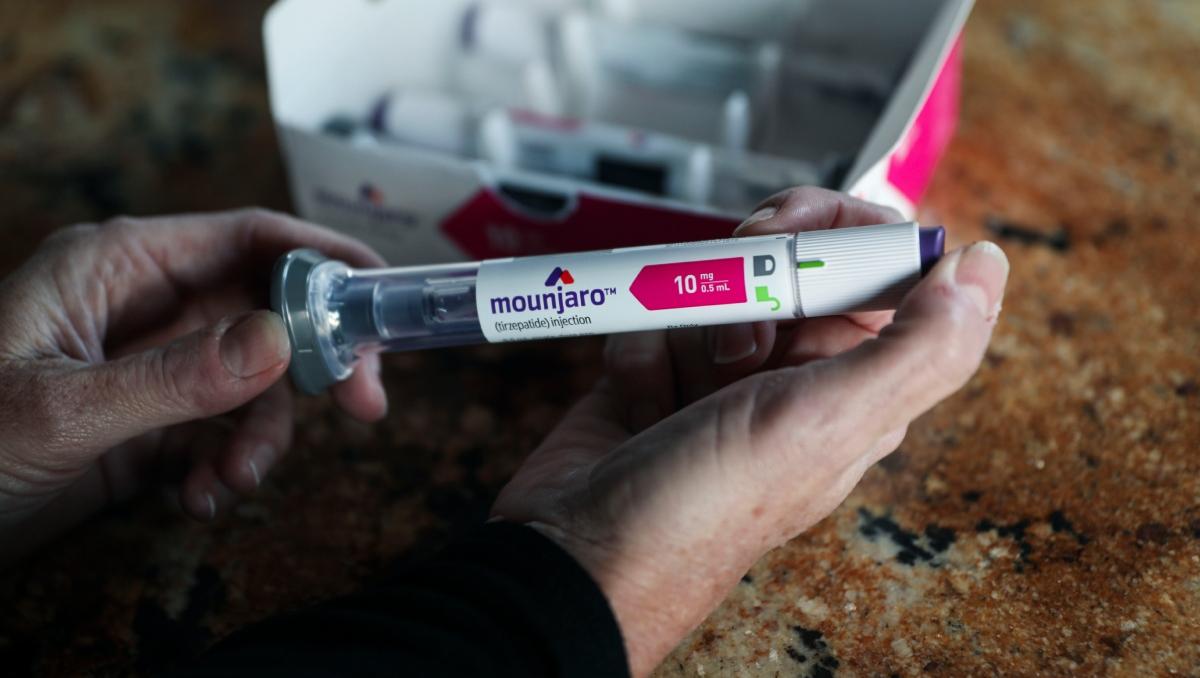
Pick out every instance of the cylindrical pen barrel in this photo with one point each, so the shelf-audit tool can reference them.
(335, 313)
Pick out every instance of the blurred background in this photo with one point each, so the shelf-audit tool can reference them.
(1044, 521)
(130, 107)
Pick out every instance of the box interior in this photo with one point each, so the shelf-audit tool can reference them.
(712, 102)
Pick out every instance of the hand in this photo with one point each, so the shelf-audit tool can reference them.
(700, 451)
(121, 347)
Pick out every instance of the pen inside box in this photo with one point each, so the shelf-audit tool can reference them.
(645, 99)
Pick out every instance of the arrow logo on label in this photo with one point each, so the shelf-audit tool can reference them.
(559, 275)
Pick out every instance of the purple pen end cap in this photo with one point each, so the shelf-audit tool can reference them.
(933, 245)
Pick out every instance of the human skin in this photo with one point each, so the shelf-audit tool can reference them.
(132, 352)
(126, 345)
(702, 449)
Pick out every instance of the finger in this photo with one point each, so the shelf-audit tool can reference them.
(790, 211)
(809, 208)
(199, 311)
(872, 321)
(929, 351)
(811, 339)
(188, 453)
(199, 375)
(362, 395)
(738, 350)
(262, 437)
(817, 338)
(198, 248)
(203, 496)
(640, 372)
(690, 356)
(731, 343)
(151, 263)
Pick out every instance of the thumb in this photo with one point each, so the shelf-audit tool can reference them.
(199, 375)
(930, 350)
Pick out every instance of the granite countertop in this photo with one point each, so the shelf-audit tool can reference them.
(1044, 521)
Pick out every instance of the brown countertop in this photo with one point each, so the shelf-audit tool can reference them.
(1046, 520)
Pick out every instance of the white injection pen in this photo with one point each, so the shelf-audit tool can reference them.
(334, 312)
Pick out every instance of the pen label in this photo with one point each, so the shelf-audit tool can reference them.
(687, 284)
(640, 288)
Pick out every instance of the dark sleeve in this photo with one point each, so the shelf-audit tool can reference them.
(505, 601)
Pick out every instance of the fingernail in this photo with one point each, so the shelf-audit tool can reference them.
(255, 343)
(220, 499)
(260, 460)
(761, 215)
(731, 343)
(981, 274)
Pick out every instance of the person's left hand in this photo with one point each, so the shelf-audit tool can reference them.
(122, 347)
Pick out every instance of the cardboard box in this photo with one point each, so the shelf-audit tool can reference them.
(418, 204)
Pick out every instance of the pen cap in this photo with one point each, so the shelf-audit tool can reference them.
(862, 269)
(316, 362)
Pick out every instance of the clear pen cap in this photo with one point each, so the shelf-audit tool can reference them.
(334, 313)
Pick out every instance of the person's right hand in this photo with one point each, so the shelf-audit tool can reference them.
(692, 459)
(140, 346)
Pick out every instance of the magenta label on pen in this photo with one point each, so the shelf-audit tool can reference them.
(688, 284)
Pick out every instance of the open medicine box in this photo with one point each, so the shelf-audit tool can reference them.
(472, 129)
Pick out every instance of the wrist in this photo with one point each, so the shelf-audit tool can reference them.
(656, 597)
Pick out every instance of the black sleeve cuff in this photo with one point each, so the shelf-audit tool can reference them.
(549, 591)
(503, 601)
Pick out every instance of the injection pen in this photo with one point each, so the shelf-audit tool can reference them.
(334, 312)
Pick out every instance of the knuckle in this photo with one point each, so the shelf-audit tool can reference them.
(806, 192)
(893, 215)
(121, 222)
(120, 230)
(791, 196)
(259, 217)
(774, 398)
(252, 222)
(118, 234)
(46, 413)
(259, 212)
(626, 361)
(799, 195)
(890, 442)
(70, 236)
(779, 198)
(177, 384)
(621, 359)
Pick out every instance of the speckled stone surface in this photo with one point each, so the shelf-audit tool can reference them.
(1044, 521)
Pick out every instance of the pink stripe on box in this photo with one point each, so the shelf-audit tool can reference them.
(911, 166)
